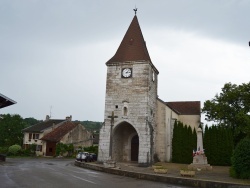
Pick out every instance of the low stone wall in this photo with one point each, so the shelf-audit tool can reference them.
(160, 178)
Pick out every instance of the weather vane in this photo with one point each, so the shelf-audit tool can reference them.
(135, 9)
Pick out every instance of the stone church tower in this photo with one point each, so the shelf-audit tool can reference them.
(131, 93)
(138, 126)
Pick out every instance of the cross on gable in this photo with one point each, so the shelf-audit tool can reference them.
(112, 117)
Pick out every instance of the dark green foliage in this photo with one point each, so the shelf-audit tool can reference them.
(175, 143)
(218, 145)
(3, 150)
(14, 149)
(231, 109)
(189, 146)
(61, 149)
(183, 143)
(241, 160)
(93, 126)
(11, 130)
(91, 149)
(30, 121)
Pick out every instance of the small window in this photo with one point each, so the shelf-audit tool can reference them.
(30, 136)
(36, 136)
(116, 106)
(125, 111)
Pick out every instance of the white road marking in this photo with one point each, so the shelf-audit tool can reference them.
(83, 179)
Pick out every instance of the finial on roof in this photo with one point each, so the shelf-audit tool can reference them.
(135, 9)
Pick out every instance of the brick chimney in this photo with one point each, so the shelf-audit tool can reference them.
(69, 118)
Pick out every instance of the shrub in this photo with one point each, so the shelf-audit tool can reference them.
(14, 149)
(91, 149)
(241, 160)
(61, 149)
(3, 150)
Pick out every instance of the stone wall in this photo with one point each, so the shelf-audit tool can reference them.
(192, 120)
(78, 136)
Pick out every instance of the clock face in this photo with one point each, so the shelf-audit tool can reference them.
(127, 72)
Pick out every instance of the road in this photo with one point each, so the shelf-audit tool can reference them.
(48, 172)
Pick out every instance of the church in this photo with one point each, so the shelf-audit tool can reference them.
(138, 126)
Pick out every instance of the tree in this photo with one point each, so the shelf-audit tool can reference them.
(183, 143)
(241, 160)
(30, 121)
(11, 130)
(218, 145)
(231, 109)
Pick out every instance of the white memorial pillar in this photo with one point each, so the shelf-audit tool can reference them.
(199, 140)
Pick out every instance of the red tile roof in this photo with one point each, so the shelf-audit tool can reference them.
(133, 47)
(57, 134)
(185, 107)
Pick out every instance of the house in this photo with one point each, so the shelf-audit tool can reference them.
(67, 133)
(33, 133)
(45, 135)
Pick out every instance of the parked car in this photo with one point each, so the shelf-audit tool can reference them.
(84, 156)
(93, 156)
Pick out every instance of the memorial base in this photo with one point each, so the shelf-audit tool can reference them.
(200, 163)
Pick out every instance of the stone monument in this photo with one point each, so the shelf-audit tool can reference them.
(199, 157)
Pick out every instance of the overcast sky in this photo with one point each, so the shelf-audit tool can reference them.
(53, 53)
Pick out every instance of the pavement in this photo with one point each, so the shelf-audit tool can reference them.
(217, 177)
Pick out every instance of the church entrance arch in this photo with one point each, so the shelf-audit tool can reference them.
(125, 143)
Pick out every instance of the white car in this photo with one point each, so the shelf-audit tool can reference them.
(83, 156)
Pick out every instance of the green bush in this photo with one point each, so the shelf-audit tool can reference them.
(241, 160)
(91, 149)
(3, 150)
(61, 149)
(14, 149)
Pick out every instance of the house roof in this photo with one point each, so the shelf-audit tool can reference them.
(185, 107)
(39, 127)
(133, 47)
(58, 133)
(5, 101)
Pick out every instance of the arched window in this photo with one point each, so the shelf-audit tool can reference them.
(125, 111)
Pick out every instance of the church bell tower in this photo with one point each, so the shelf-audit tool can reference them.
(131, 93)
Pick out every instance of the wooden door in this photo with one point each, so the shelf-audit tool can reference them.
(50, 148)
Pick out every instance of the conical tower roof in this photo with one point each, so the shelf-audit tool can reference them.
(133, 47)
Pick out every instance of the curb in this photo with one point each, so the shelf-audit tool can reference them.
(160, 178)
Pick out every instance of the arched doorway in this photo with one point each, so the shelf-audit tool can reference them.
(125, 139)
(134, 148)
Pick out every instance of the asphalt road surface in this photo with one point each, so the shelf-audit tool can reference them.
(61, 173)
